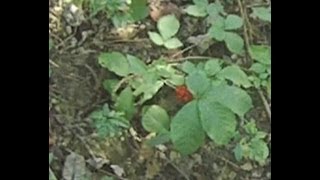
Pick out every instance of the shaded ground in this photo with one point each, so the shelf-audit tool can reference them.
(75, 90)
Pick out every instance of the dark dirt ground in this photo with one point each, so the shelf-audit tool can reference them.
(75, 90)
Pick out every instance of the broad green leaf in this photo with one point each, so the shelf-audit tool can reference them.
(218, 121)
(173, 43)
(212, 67)
(262, 13)
(196, 11)
(156, 38)
(168, 26)
(233, 22)
(159, 139)
(115, 62)
(139, 9)
(197, 82)
(261, 54)
(217, 33)
(238, 152)
(125, 103)
(258, 68)
(156, 119)
(232, 97)
(188, 67)
(186, 132)
(259, 150)
(236, 75)
(136, 66)
(263, 75)
(234, 42)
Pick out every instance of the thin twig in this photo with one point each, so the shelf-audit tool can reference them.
(246, 37)
(53, 63)
(265, 103)
(95, 76)
(178, 169)
(183, 50)
(228, 162)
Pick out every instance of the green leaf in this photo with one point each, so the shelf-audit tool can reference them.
(176, 80)
(149, 89)
(258, 68)
(232, 97)
(110, 84)
(173, 43)
(234, 42)
(197, 82)
(156, 119)
(259, 150)
(115, 62)
(260, 135)
(233, 22)
(212, 67)
(262, 13)
(238, 152)
(125, 103)
(139, 9)
(51, 175)
(168, 26)
(236, 75)
(159, 139)
(269, 87)
(156, 38)
(186, 132)
(251, 128)
(217, 33)
(261, 53)
(188, 67)
(201, 3)
(218, 121)
(214, 9)
(136, 65)
(196, 11)
(263, 75)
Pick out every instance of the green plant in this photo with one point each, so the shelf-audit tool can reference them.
(252, 146)
(261, 68)
(121, 12)
(51, 174)
(144, 80)
(216, 88)
(222, 23)
(109, 122)
(168, 27)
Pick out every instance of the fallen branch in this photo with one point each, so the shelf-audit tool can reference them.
(265, 103)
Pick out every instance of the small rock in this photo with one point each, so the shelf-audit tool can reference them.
(247, 166)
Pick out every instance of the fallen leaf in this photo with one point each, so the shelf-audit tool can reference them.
(117, 170)
(159, 9)
(247, 166)
(74, 167)
(97, 163)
